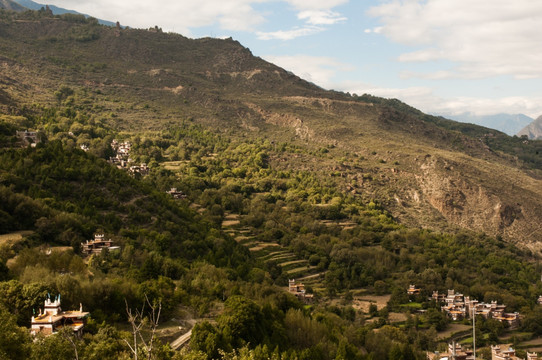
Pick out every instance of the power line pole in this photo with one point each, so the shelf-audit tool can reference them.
(474, 329)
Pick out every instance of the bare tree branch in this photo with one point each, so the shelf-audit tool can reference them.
(139, 321)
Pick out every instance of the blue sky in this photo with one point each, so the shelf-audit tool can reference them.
(441, 56)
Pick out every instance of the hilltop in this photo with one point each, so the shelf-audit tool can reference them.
(427, 171)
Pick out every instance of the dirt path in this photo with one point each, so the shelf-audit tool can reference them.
(184, 338)
(181, 340)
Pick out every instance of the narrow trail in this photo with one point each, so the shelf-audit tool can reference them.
(181, 340)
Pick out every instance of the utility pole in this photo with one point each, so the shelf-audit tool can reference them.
(474, 330)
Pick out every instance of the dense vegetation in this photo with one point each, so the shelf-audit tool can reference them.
(175, 255)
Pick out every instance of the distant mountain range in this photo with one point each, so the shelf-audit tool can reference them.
(533, 130)
(509, 124)
(21, 5)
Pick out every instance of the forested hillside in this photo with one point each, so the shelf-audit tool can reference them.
(356, 197)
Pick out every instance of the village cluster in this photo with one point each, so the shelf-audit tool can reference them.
(52, 318)
(457, 307)
(122, 158)
(498, 352)
(122, 152)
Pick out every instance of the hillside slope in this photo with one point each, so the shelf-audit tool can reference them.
(429, 172)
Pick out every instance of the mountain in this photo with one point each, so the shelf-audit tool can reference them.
(11, 5)
(507, 123)
(29, 4)
(426, 171)
(243, 177)
(533, 130)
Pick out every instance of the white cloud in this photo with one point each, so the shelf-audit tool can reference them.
(321, 17)
(288, 34)
(181, 16)
(171, 15)
(483, 37)
(530, 106)
(315, 14)
(315, 4)
(375, 30)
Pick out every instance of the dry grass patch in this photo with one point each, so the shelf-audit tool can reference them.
(534, 342)
(301, 269)
(14, 237)
(292, 262)
(394, 317)
(282, 257)
(241, 238)
(363, 303)
(227, 223)
(173, 165)
(452, 329)
(313, 276)
(261, 246)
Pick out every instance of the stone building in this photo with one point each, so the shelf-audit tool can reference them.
(53, 318)
(98, 244)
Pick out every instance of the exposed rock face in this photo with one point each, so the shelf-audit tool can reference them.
(285, 120)
(470, 204)
(533, 130)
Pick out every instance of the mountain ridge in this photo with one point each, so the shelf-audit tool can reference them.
(510, 124)
(428, 171)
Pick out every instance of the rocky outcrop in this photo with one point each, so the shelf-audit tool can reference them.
(467, 202)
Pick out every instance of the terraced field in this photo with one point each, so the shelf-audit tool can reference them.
(296, 268)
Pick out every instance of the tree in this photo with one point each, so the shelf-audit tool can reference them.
(14, 341)
(533, 321)
(4, 270)
(63, 93)
(52, 348)
(207, 339)
(242, 321)
(104, 345)
(68, 335)
(437, 318)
